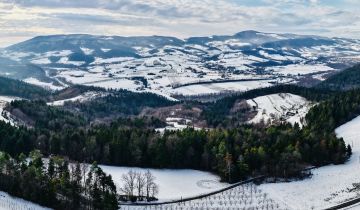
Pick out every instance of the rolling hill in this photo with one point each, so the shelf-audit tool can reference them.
(171, 66)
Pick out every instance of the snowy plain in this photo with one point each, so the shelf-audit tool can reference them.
(173, 183)
(300, 69)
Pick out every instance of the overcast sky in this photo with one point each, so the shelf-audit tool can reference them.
(23, 19)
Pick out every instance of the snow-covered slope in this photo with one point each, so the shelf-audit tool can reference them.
(280, 107)
(165, 64)
(90, 95)
(4, 115)
(8, 202)
(329, 185)
(46, 85)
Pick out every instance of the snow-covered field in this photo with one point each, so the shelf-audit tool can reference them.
(8, 202)
(117, 84)
(80, 98)
(329, 185)
(46, 85)
(246, 196)
(221, 87)
(300, 69)
(282, 106)
(173, 184)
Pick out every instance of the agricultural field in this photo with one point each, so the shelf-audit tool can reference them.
(247, 196)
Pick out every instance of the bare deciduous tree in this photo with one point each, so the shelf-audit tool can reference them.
(129, 183)
(84, 170)
(143, 184)
(140, 184)
(154, 190)
(149, 181)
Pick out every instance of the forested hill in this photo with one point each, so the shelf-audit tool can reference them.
(39, 114)
(216, 113)
(336, 110)
(10, 87)
(345, 80)
(119, 103)
(234, 153)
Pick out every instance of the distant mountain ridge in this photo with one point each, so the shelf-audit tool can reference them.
(63, 42)
(161, 64)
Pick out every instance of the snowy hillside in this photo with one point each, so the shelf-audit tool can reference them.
(4, 115)
(45, 85)
(280, 107)
(170, 66)
(90, 95)
(329, 185)
(8, 202)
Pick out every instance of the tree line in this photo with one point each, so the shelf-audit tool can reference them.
(344, 80)
(234, 154)
(118, 103)
(21, 89)
(57, 183)
(217, 114)
(335, 111)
